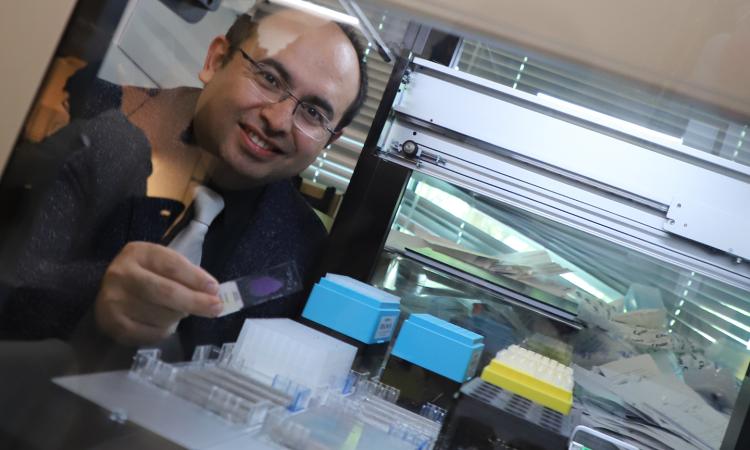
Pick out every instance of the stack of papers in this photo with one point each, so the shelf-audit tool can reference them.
(633, 400)
(515, 265)
(533, 268)
(536, 262)
(644, 328)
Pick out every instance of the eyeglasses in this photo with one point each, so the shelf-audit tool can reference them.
(308, 118)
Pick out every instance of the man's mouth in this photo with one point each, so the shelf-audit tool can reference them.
(258, 145)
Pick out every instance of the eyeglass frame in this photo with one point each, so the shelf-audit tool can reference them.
(286, 94)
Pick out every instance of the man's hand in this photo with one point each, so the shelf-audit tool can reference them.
(147, 289)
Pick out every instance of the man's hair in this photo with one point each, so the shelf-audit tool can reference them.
(245, 26)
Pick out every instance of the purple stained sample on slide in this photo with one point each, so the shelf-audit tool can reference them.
(265, 285)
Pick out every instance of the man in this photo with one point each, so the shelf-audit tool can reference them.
(275, 93)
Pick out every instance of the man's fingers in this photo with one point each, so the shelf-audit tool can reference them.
(125, 329)
(163, 292)
(154, 315)
(133, 332)
(147, 289)
(173, 266)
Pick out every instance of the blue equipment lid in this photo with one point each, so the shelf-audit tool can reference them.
(446, 329)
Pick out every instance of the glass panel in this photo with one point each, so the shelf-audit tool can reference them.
(143, 101)
(460, 227)
(690, 328)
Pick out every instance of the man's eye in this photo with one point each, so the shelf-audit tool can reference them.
(269, 79)
(313, 113)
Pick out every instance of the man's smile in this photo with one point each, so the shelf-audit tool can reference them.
(257, 145)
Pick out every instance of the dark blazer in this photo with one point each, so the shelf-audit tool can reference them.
(97, 203)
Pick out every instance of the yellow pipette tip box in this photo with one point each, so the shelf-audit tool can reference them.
(533, 376)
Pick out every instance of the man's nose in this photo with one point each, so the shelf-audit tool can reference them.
(278, 116)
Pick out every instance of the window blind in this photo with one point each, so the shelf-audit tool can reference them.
(699, 126)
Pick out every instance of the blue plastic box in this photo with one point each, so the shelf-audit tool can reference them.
(353, 308)
(439, 346)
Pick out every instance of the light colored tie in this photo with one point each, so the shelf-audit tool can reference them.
(207, 204)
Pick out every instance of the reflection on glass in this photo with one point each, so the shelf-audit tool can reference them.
(644, 109)
(647, 325)
(457, 228)
(122, 133)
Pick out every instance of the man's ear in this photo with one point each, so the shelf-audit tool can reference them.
(215, 58)
(337, 134)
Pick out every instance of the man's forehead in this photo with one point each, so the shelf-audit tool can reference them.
(279, 30)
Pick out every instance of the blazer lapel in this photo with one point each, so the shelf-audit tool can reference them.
(151, 217)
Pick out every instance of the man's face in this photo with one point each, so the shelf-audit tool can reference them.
(256, 141)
